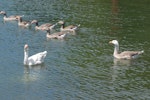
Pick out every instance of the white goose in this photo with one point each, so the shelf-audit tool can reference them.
(43, 26)
(125, 54)
(70, 28)
(34, 59)
(57, 35)
(10, 18)
(23, 23)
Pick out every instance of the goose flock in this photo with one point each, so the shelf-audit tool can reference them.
(38, 58)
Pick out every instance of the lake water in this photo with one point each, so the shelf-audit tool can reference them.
(80, 67)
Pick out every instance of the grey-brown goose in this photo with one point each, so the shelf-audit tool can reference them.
(70, 28)
(9, 18)
(56, 35)
(43, 26)
(23, 23)
(125, 54)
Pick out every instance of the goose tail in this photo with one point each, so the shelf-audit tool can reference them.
(22, 16)
(78, 25)
(51, 27)
(44, 53)
(141, 52)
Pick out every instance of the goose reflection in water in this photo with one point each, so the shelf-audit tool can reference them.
(119, 66)
(32, 73)
(124, 62)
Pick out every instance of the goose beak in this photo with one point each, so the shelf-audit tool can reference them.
(26, 46)
(60, 22)
(110, 42)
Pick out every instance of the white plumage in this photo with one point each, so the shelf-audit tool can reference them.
(34, 59)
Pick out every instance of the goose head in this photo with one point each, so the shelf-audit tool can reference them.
(115, 42)
(26, 47)
(19, 18)
(34, 21)
(61, 22)
(3, 12)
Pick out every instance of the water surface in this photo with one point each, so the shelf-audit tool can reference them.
(80, 66)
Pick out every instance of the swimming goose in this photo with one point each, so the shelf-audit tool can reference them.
(125, 54)
(70, 28)
(57, 35)
(10, 18)
(23, 23)
(43, 26)
(34, 59)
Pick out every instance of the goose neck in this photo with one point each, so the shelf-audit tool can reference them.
(48, 32)
(37, 24)
(5, 15)
(20, 20)
(25, 57)
(63, 25)
(116, 49)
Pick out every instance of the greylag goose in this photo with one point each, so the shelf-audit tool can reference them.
(57, 35)
(34, 59)
(23, 23)
(9, 18)
(70, 28)
(43, 26)
(125, 54)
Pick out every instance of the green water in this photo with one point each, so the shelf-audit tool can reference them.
(80, 67)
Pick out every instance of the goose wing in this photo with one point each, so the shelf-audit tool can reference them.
(58, 35)
(130, 54)
(25, 22)
(70, 27)
(46, 25)
(37, 58)
(13, 16)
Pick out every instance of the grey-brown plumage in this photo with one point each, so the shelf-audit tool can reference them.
(70, 28)
(9, 18)
(43, 26)
(23, 23)
(56, 35)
